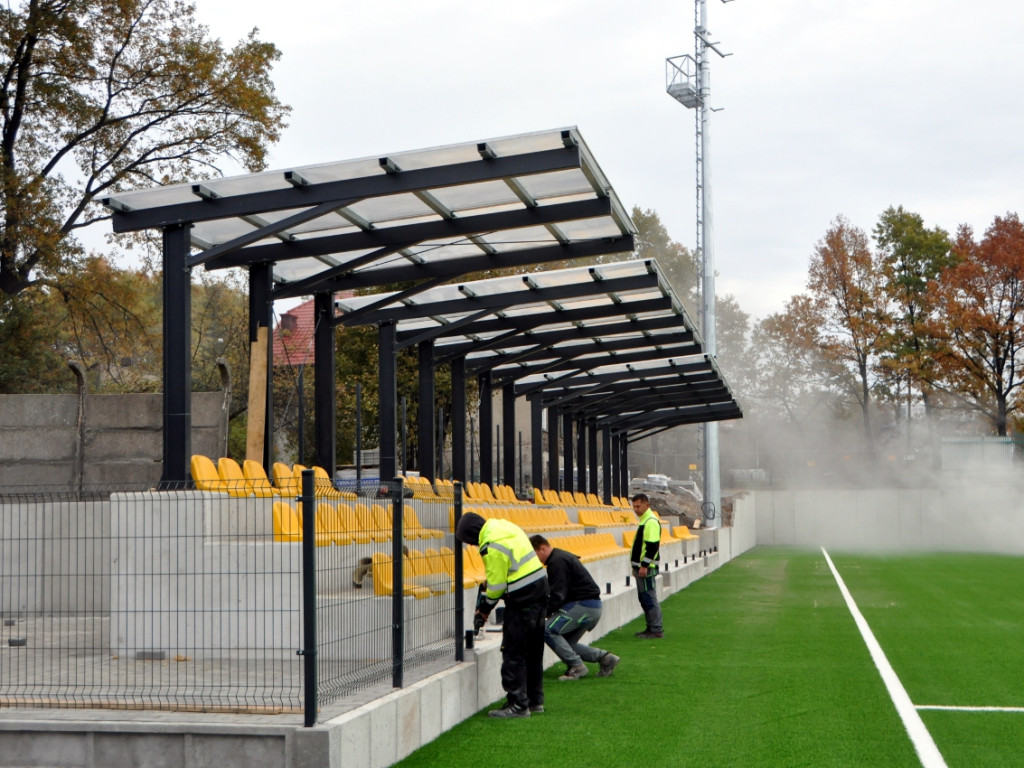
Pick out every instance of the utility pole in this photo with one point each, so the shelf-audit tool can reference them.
(688, 81)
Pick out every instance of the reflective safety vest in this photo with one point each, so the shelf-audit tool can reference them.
(509, 559)
(647, 543)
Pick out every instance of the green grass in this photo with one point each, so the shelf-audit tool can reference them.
(952, 626)
(762, 665)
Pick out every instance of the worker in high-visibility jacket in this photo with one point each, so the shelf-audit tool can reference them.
(515, 574)
(644, 560)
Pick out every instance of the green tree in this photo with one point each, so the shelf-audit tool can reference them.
(911, 257)
(104, 95)
(677, 262)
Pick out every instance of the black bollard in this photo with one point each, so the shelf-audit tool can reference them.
(607, 587)
(470, 635)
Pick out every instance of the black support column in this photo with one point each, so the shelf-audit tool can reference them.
(261, 316)
(567, 453)
(508, 434)
(624, 464)
(425, 455)
(177, 417)
(592, 455)
(606, 465)
(486, 429)
(459, 431)
(324, 382)
(553, 450)
(581, 457)
(536, 444)
(387, 394)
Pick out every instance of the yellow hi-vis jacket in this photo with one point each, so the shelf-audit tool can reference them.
(509, 559)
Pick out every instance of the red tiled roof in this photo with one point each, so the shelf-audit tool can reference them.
(293, 337)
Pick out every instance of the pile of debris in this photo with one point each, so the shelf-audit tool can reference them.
(687, 508)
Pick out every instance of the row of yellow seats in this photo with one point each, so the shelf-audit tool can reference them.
(606, 518)
(590, 546)
(481, 493)
(577, 499)
(250, 479)
(666, 537)
(344, 523)
(426, 573)
(528, 518)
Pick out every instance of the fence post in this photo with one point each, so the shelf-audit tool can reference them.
(460, 601)
(397, 490)
(309, 638)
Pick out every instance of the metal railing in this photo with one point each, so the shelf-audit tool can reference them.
(187, 600)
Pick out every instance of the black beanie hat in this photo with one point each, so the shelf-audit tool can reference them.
(469, 527)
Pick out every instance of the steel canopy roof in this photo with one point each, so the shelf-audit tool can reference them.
(429, 213)
(609, 342)
(528, 330)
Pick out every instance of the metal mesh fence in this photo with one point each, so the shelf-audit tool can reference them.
(193, 600)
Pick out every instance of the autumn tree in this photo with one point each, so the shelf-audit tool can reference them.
(849, 311)
(980, 298)
(788, 385)
(911, 257)
(106, 95)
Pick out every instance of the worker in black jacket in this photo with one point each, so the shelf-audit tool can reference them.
(574, 606)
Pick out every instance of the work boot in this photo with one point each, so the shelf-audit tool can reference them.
(650, 635)
(537, 709)
(510, 710)
(608, 664)
(575, 673)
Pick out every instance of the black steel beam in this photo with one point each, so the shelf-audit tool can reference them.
(425, 453)
(325, 378)
(553, 417)
(565, 352)
(486, 429)
(508, 435)
(458, 372)
(468, 303)
(344, 278)
(177, 359)
(256, 203)
(520, 323)
(388, 405)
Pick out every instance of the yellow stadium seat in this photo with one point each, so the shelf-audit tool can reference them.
(257, 478)
(383, 584)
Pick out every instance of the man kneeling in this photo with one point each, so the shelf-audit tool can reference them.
(574, 607)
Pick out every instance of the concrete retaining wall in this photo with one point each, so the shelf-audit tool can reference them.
(112, 440)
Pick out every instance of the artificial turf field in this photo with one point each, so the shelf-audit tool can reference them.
(763, 665)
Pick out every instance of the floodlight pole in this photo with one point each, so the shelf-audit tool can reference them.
(689, 82)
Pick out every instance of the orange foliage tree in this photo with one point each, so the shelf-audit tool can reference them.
(980, 350)
(848, 312)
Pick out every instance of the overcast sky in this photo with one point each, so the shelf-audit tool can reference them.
(829, 106)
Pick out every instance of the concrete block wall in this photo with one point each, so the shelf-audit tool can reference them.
(112, 440)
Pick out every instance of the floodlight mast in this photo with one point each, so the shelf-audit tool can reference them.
(688, 81)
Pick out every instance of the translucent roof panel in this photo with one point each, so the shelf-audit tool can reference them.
(512, 195)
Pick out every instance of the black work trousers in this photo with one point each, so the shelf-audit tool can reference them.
(522, 647)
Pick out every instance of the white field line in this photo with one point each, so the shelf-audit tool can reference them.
(945, 708)
(919, 736)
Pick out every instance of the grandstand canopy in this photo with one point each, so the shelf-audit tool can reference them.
(428, 214)
(610, 342)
